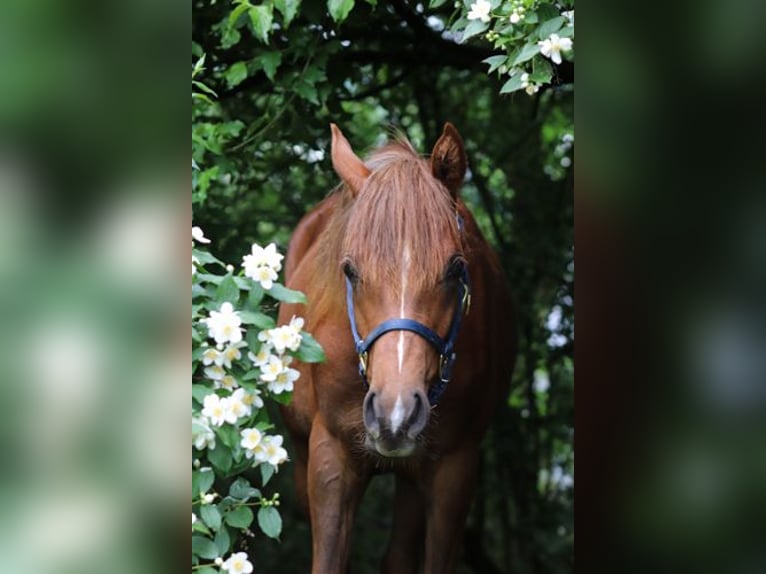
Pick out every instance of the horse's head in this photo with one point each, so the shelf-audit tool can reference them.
(402, 255)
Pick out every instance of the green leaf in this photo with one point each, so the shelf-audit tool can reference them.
(199, 392)
(231, 37)
(239, 517)
(207, 570)
(204, 257)
(211, 515)
(541, 71)
(262, 18)
(229, 435)
(283, 398)
(250, 375)
(227, 291)
(237, 12)
(306, 91)
(527, 53)
(339, 9)
(282, 293)
(495, 62)
(242, 489)
(566, 32)
(204, 547)
(270, 61)
(267, 471)
(220, 457)
(204, 88)
(258, 319)
(550, 26)
(436, 3)
(270, 521)
(236, 73)
(288, 8)
(201, 481)
(199, 526)
(513, 84)
(255, 296)
(222, 541)
(310, 350)
(547, 11)
(474, 28)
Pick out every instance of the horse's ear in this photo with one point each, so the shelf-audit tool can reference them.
(448, 161)
(347, 165)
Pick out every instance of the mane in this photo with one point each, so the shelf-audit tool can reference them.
(401, 205)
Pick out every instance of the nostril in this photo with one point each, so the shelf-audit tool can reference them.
(419, 416)
(370, 418)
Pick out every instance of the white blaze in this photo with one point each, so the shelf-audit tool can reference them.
(405, 272)
(397, 415)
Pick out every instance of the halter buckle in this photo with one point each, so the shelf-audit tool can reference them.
(363, 364)
(466, 303)
(446, 362)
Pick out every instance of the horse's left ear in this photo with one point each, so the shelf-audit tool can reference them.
(448, 161)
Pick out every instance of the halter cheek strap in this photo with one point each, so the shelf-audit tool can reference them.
(445, 347)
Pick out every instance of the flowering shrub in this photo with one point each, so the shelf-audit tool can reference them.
(240, 358)
(531, 34)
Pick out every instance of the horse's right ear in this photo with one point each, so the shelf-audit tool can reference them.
(347, 165)
(448, 161)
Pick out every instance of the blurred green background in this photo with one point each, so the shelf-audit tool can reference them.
(261, 149)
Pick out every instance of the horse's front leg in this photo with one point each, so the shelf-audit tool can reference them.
(335, 488)
(449, 498)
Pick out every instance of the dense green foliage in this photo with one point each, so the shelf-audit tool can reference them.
(275, 74)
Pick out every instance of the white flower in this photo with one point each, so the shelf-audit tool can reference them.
(234, 409)
(524, 80)
(218, 561)
(210, 356)
(515, 17)
(214, 408)
(238, 564)
(208, 498)
(553, 46)
(260, 256)
(195, 262)
(567, 138)
(284, 381)
(480, 11)
(223, 325)
(262, 357)
(194, 518)
(227, 382)
(197, 235)
(251, 438)
(272, 451)
(215, 372)
(242, 397)
(253, 399)
(285, 337)
(569, 15)
(271, 370)
(297, 323)
(232, 353)
(202, 435)
(565, 162)
(263, 275)
(531, 89)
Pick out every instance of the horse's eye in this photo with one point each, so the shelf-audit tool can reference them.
(350, 271)
(455, 268)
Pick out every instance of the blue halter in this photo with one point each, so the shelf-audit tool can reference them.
(445, 347)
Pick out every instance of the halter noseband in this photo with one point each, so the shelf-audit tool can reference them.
(445, 347)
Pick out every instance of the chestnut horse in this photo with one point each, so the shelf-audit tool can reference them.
(390, 263)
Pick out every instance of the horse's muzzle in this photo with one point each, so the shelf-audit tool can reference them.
(392, 430)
